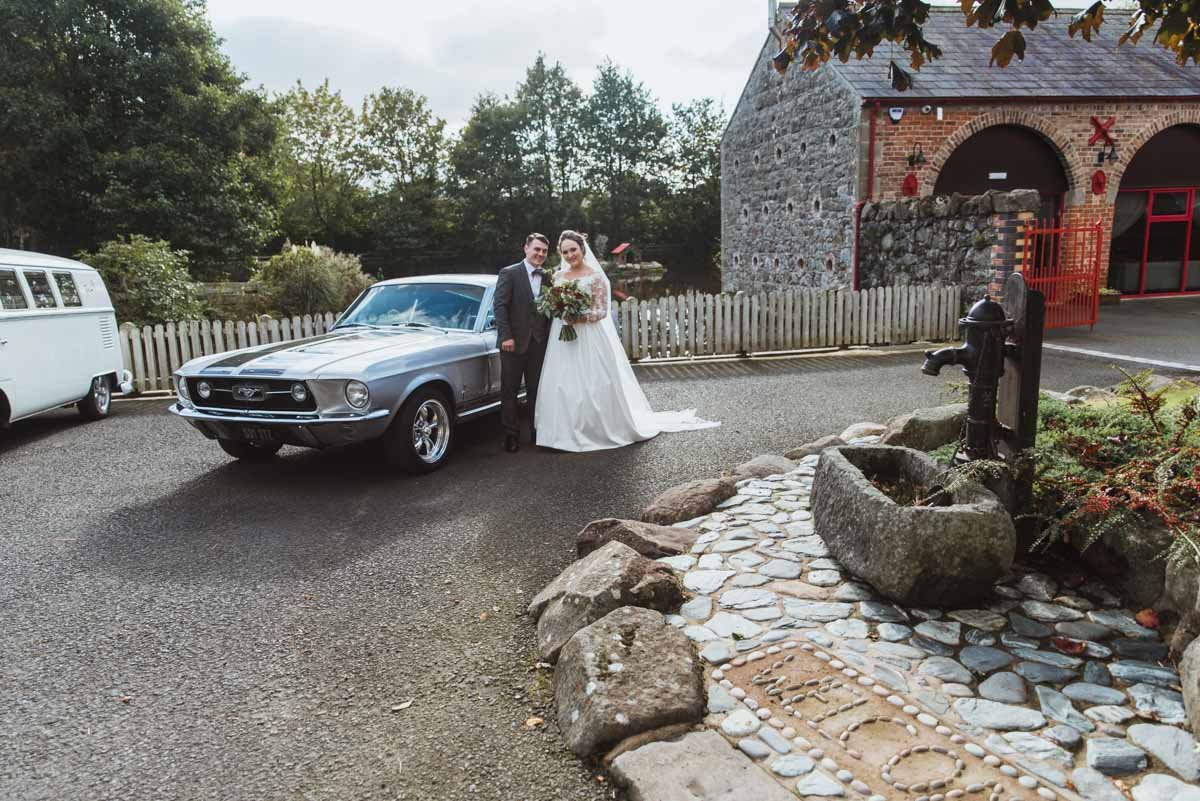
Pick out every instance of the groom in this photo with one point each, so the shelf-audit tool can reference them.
(522, 333)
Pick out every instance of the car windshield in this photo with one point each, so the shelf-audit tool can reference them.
(441, 305)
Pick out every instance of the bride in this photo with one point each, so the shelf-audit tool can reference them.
(588, 398)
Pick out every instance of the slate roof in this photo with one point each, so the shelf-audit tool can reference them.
(1055, 65)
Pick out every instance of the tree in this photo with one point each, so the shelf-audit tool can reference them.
(688, 216)
(405, 143)
(623, 131)
(492, 187)
(122, 116)
(406, 152)
(820, 29)
(323, 161)
(552, 135)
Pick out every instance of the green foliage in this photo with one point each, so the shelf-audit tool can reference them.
(148, 281)
(1101, 469)
(123, 117)
(822, 29)
(310, 279)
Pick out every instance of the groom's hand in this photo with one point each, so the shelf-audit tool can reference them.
(508, 345)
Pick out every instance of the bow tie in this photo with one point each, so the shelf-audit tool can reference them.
(539, 271)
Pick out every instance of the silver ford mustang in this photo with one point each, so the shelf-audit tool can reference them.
(408, 360)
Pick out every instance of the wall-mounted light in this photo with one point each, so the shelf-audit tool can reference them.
(917, 156)
(1111, 155)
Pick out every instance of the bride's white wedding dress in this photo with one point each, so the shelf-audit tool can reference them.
(588, 397)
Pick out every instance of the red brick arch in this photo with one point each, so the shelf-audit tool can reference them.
(1130, 148)
(1067, 154)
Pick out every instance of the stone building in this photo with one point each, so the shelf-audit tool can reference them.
(816, 165)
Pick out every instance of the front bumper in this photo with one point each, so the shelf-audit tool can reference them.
(310, 430)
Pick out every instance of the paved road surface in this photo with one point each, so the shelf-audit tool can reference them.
(177, 626)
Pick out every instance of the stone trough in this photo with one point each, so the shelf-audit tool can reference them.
(944, 555)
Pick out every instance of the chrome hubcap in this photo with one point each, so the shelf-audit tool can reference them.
(102, 394)
(431, 431)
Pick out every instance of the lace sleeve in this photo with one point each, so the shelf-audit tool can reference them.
(599, 308)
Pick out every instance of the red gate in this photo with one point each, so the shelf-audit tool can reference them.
(1063, 263)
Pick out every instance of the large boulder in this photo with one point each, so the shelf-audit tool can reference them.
(927, 429)
(940, 555)
(1189, 679)
(686, 501)
(1181, 595)
(860, 430)
(624, 674)
(814, 447)
(762, 466)
(649, 539)
(700, 766)
(1131, 558)
(613, 576)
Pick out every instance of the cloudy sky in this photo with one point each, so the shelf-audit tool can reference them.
(452, 51)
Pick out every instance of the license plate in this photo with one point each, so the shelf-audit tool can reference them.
(258, 434)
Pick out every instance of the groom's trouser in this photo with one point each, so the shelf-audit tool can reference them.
(513, 367)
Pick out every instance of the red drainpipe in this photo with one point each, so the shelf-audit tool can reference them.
(858, 207)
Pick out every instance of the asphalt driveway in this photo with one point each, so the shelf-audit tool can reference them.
(1163, 333)
(174, 625)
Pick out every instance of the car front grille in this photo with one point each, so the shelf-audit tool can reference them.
(266, 395)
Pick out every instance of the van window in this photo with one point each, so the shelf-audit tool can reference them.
(39, 287)
(67, 289)
(11, 296)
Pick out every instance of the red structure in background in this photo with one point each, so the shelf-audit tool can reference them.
(1063, 263)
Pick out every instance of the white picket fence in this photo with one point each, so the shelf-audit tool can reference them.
(152, 353)
(681, 326)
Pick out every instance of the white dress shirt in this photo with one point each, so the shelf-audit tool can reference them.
(535, 281)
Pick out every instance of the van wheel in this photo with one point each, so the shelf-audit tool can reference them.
(96, 404)
(250, 451)
(419, 438)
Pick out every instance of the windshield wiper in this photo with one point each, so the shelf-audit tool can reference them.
(353, 325)
(420, 325)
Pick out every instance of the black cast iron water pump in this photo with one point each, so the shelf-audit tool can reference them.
(985, 328)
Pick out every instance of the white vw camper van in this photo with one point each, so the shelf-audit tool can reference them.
(58, 338)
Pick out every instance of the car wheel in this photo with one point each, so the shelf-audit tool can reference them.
(419, 438)
(96, 404)
(250, 451)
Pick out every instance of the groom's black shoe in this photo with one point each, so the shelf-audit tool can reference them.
(512, 443)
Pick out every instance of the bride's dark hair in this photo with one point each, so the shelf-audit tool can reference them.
(574, 236)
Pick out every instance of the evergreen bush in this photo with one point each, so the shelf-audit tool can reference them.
(148, 281)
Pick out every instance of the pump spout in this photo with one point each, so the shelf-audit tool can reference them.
(935, 360)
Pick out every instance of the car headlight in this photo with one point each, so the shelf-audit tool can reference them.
(357, 394)
(299, 393)
(204, 390)
(181, 388)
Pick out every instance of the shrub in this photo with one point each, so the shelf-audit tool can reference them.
(148, 281)
(1100, 469)
(311, 279)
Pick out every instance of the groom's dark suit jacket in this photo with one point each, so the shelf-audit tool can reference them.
(517, 317)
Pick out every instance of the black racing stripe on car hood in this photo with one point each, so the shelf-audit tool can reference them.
(238, 359)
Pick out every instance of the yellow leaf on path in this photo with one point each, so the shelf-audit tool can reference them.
(403, 706)
(533, 723)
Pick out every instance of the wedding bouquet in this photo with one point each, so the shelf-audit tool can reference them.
(564, 300)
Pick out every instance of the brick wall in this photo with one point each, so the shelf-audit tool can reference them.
(1066, 126)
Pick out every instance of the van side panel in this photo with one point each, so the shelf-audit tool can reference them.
(52, 354)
